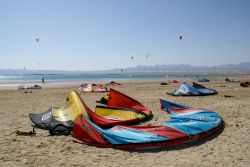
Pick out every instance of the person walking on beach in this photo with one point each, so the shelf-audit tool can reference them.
(43, 81)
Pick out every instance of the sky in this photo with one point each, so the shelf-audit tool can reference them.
(92, 35)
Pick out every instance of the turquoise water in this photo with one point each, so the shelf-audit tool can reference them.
(56, 77)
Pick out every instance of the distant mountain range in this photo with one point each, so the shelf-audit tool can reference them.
(242, 67)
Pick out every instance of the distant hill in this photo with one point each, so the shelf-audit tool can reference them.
(242, 67)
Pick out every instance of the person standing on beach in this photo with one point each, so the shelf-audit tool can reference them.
(43, 81)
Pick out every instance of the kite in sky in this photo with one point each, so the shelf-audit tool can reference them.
(148, 55)
(39, 63)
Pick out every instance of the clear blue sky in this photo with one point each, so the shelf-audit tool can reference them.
(98, 34)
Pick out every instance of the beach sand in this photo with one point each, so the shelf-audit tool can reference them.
(230, 148)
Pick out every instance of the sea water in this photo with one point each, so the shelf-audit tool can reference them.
(62, 79)
(56, 77)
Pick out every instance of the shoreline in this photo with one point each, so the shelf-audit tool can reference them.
(13, 84)
(78, 82)
(6, 84)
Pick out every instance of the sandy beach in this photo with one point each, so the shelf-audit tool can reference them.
(229, 148)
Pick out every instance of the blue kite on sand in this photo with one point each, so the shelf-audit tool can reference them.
(194, 89)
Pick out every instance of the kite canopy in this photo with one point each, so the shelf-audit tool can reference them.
(173, 81)
(92, 88)
(186, 124)
(245, 84)
(203, 80)
(113, 83)
(61, 121)
(192, 121)
(119, 109)
(85, 88)
(195, 89)
(232, 80)
(117, 99)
